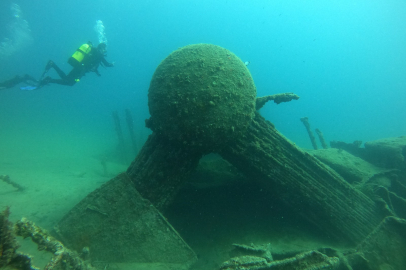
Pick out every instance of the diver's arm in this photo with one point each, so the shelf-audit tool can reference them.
(107, 64)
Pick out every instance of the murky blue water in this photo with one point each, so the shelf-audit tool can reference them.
(345, 59)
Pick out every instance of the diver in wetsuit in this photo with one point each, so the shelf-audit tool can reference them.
(85, 59)
(16, 80)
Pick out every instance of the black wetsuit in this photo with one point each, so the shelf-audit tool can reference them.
(89, 64)
(18, 79)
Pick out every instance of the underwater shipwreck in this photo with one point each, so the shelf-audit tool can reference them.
(202, 100)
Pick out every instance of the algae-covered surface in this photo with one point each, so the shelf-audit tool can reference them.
(209, 215)
(206, 86)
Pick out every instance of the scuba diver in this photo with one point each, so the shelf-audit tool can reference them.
(85, 59)
(18, 79)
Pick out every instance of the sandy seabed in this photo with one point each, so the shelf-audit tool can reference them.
(58, 171)
(55, 175)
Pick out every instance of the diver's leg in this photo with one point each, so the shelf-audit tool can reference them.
(75, 75)
(69, 79)
(58, 70)
(62, 81)
(64, 78)
(12, 82)
(29, 79)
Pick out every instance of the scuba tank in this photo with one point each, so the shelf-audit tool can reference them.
(77, 57)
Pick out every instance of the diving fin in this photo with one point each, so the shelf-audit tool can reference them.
(28, 88)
